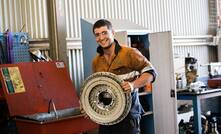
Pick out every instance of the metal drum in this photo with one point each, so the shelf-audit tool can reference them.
(103, 99)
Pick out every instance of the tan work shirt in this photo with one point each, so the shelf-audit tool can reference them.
(127, 62)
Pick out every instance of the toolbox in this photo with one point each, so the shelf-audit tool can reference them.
(42, 98)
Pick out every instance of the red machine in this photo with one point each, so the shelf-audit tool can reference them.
(215, 75)
(42, 98)
(214, 83)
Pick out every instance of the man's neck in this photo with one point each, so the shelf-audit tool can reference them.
(109, 51)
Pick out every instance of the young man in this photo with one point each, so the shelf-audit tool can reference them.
(130, 65)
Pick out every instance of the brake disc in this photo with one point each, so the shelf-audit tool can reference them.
(103, 99)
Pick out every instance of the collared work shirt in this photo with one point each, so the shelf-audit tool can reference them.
(127, 63)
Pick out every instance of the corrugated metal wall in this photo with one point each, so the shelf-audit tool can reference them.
(30, 13)
(182, 17)
(76, 68)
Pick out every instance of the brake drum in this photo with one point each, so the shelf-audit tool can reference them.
(103, 99)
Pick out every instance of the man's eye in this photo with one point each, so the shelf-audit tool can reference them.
(97, 34)
(104, 33)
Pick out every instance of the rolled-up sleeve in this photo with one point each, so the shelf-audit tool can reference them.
(140, 63)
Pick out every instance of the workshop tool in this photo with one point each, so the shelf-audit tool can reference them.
(37, 55)
(191, 69)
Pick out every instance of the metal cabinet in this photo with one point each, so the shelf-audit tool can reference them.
(164, 97)
(161, 116)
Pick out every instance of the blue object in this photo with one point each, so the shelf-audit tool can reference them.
(196, 97)
(18, 47)
(3, 49)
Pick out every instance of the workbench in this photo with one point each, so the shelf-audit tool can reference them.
(196, 97)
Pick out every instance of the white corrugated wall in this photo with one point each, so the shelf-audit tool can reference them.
(182, 17)
(32, 14)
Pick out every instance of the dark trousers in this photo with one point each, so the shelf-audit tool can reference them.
(129, 125)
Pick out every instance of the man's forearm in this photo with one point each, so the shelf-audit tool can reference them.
(144, 79)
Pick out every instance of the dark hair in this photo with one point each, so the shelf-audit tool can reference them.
(101, 23)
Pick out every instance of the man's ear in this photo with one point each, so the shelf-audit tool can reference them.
(113, 32)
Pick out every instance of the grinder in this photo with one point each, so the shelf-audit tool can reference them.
(191, 69)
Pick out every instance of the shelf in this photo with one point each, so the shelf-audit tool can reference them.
(148, 113)
(144, 93)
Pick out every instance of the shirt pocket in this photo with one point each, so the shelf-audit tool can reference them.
(120, 69)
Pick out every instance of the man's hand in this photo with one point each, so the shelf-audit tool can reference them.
(144, 79)
(127, 86)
